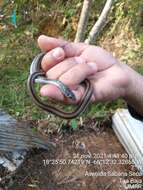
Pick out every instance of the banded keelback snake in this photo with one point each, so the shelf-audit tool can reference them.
(38, 76)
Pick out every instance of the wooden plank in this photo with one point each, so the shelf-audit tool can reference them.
(130, 133)
(9, 161)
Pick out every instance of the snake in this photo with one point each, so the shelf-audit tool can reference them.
(37, 75)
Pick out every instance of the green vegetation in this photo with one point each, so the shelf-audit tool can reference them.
(122, 35)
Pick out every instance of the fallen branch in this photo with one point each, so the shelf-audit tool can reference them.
(100, 23)
(83, 21)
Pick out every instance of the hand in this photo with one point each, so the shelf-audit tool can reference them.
(71, 63)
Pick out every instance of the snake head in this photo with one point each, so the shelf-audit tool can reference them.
(70, 94)
(66, 91)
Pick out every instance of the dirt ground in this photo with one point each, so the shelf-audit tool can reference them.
(74, 163)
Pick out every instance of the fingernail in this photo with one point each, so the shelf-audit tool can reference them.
(58, 53)
(42, 37)
(92, 65)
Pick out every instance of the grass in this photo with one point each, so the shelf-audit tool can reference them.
(18, 47)
(14, 65)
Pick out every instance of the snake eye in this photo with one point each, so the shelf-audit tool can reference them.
(70, 95)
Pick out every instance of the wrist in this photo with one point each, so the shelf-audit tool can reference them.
(134, 85)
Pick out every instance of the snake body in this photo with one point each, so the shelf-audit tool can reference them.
(38, 76)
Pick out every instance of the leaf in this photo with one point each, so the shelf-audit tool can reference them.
(74, 124)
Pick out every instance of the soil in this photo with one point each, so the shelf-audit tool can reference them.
(59, 169)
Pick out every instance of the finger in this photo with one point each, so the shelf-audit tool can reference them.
(54, 93)
(78, 73)
(52, 58)
(59, 69)
(51, 91)
(48, 43)
(71, 49)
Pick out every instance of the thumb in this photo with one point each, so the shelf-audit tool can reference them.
(47, 43)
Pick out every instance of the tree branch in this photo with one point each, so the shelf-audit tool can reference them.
(100, 23)
(83, 21)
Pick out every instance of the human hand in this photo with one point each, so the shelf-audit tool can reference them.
(71, 63)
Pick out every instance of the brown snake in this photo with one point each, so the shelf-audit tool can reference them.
(38, 76)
